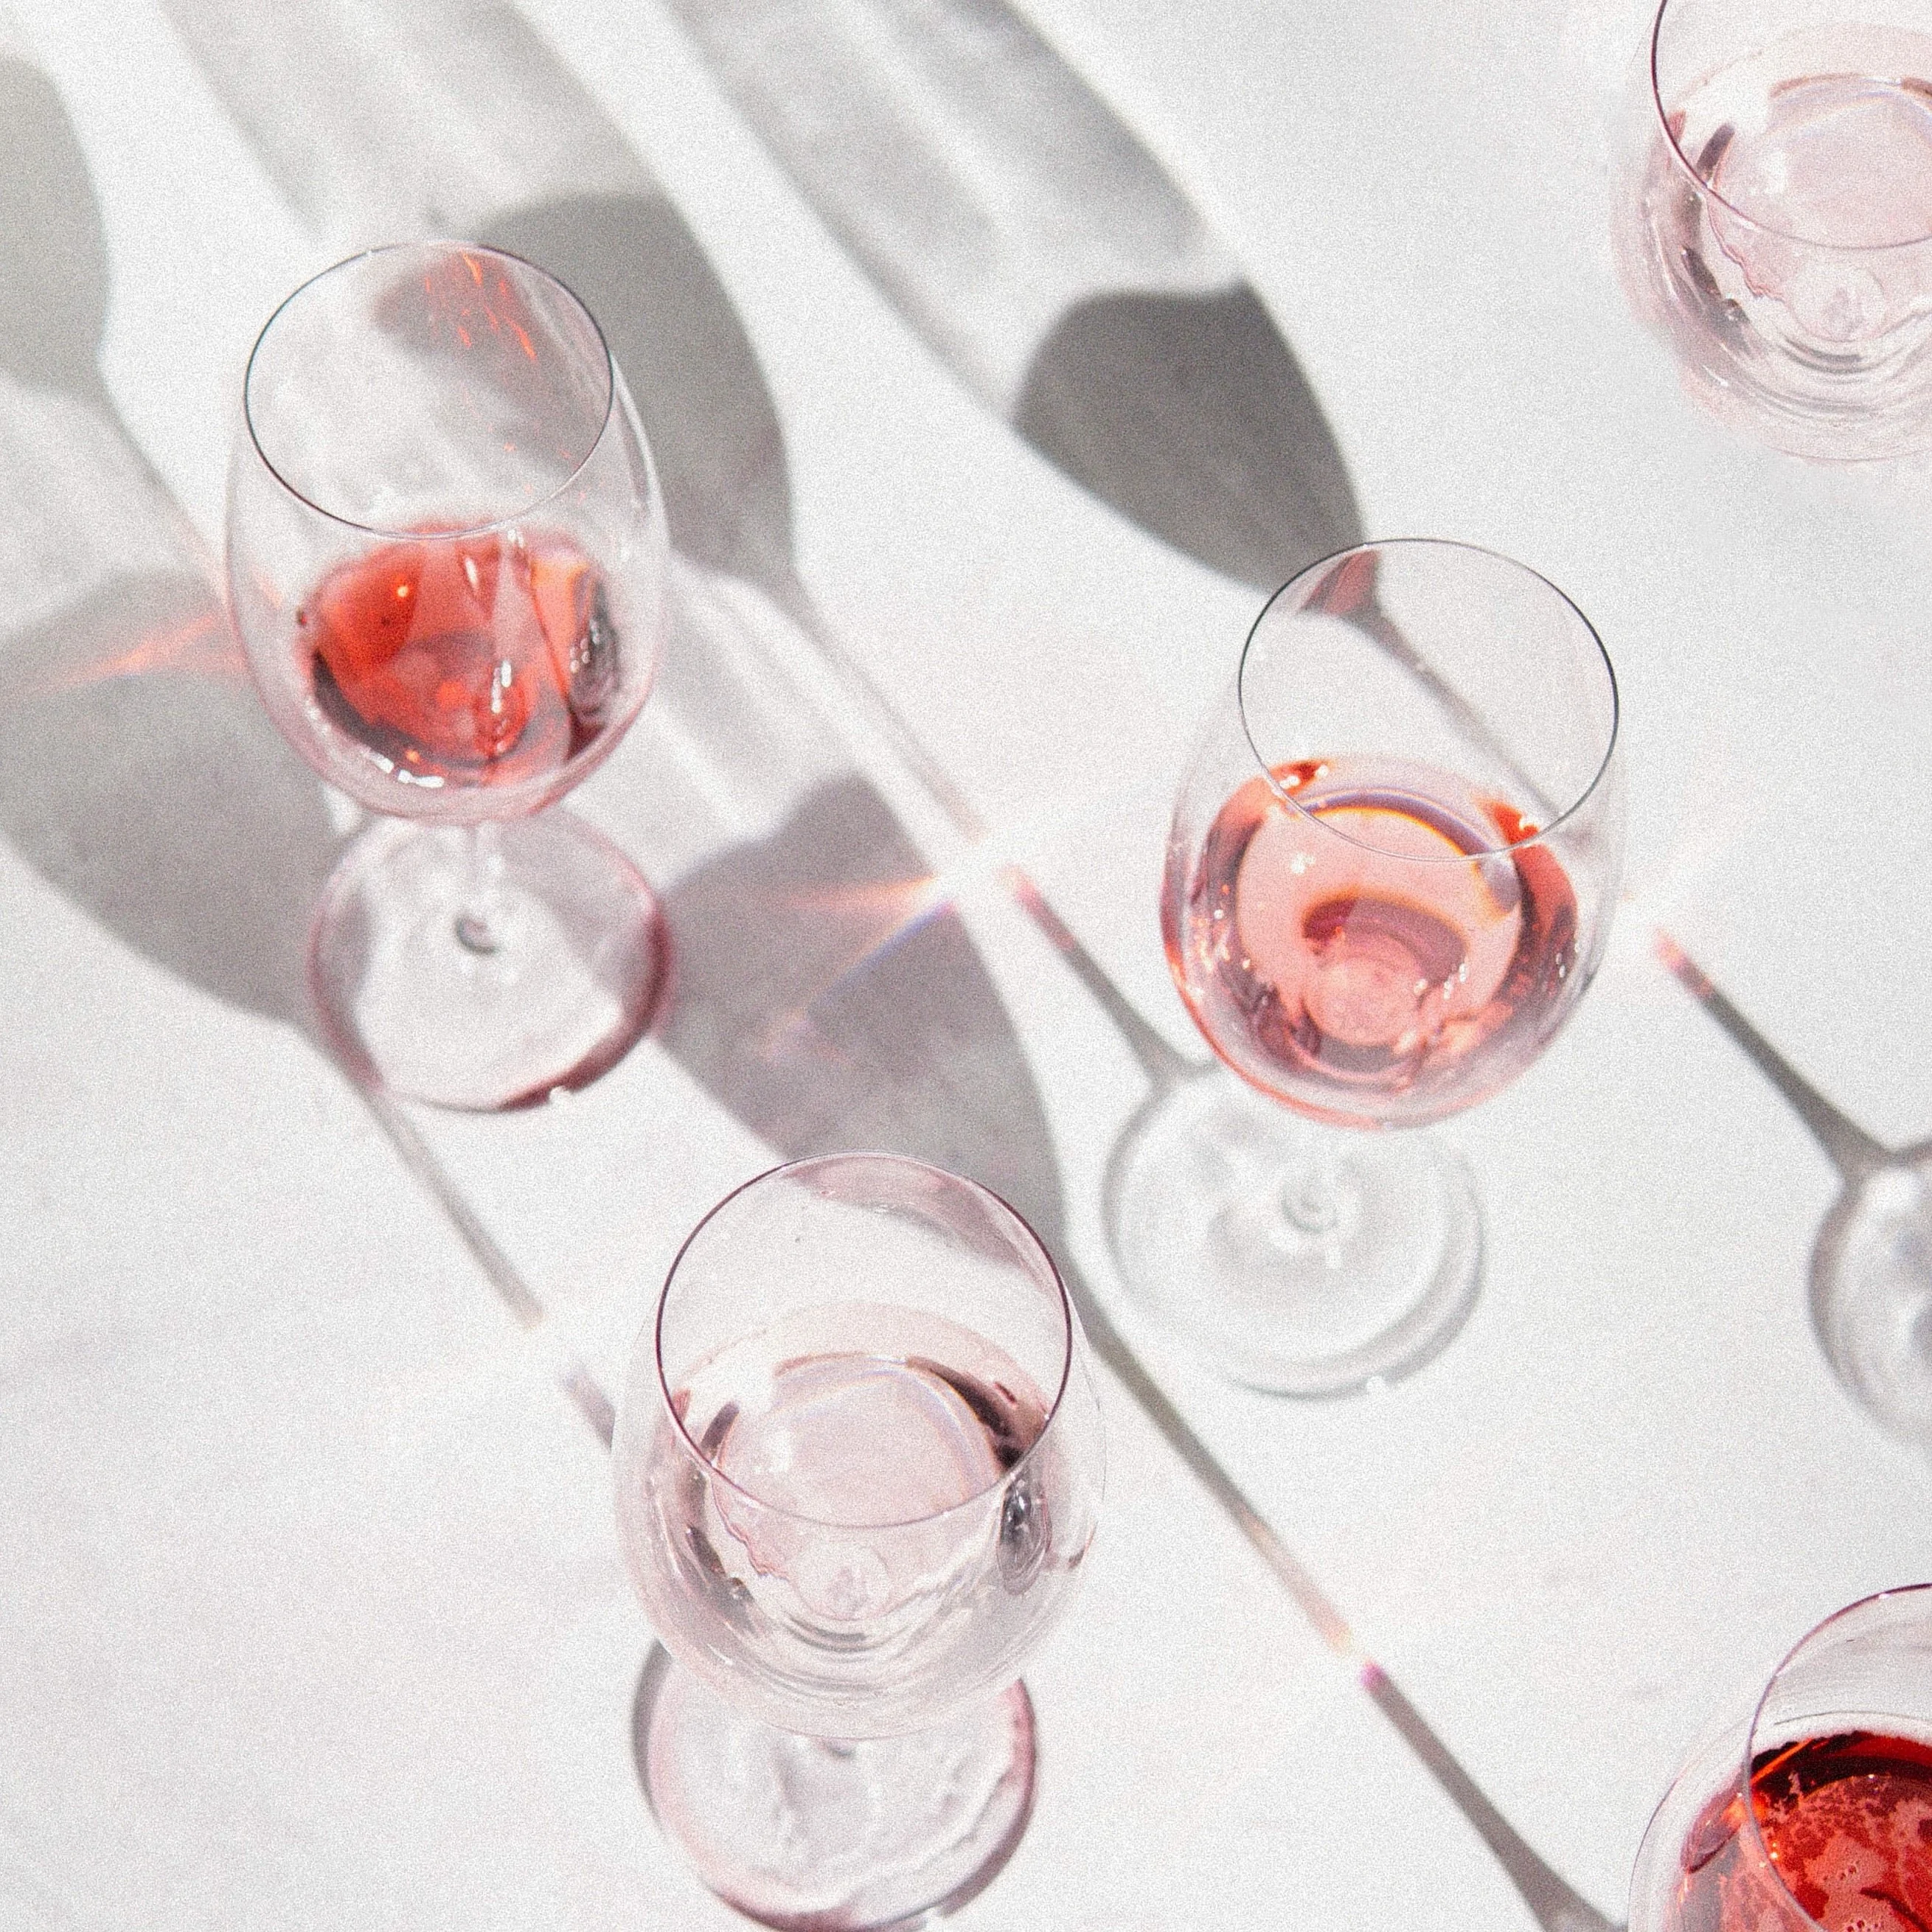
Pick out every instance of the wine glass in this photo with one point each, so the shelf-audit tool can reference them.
(1388, 881)
(1815, 1813)
(1871, 1263)
(447, 561)
(858, 1465)
(1775, 220)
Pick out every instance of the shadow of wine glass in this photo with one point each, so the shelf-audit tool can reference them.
(1045, 255)
(829, 1007)
(142, 779)
(162, 802)
(712, 428)
(53, 257)
(818, 995)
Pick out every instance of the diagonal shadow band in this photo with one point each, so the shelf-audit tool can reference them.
(141, 777)
(53, 294)
(828, 1011)
(162, 803)
(1188, 414)
(711, 423)
(1047, 258)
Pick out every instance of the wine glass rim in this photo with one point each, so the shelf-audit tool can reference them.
(1861, 1607)
(1850, 249)
(489, 526)
(1543, 833)
(799, 1169)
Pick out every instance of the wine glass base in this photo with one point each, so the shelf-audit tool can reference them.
(1300, 1259)
(1742, 357)
(810, 1834)
(1871, 1296)
(562, 985)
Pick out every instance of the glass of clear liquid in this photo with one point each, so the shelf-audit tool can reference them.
(858, 1466)
(1775, 220)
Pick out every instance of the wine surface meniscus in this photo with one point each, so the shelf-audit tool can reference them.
(1847, 1820)
(1371, 939)
(462, 662)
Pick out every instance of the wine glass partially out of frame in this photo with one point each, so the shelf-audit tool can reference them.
(1389, 879)
(1774, 223)
(858, 1466)
(1814, 1814)
(1871, 1264)
(447, 563)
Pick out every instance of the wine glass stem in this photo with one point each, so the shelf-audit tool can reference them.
(1309, 1198)
(479, 925)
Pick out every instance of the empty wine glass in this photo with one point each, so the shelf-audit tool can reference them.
(1814, 1814)
(1775, 221)
(1389, 878)
(447, 561)
(858, 1465)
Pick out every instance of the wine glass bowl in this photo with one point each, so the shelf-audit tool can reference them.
(1388, 881)
(858, 1468)
(1775, 221)
(447, 564)
(1813, 1814)
(1382, 938)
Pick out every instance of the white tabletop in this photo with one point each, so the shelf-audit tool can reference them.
(312, 1611)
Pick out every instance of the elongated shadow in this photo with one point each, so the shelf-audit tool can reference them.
(1871, 1263)
(53, 259)
(1048, 260)
(162, 803)
(829, 1007)
(690, 366)
(1188, 414)
(141, 777)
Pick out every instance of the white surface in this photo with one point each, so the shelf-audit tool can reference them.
(309, 1596)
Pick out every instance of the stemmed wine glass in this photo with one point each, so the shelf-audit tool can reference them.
(1775, 221)
(1388, 881)
(447, 561)
(1871, 1264)
(858, 1464)
(1815, 1813)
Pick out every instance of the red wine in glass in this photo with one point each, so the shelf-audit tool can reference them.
(1815, 1815)
(483, 660)
(1388, 879)
(1359, 934)
(1847, 1820)
(448, 562)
